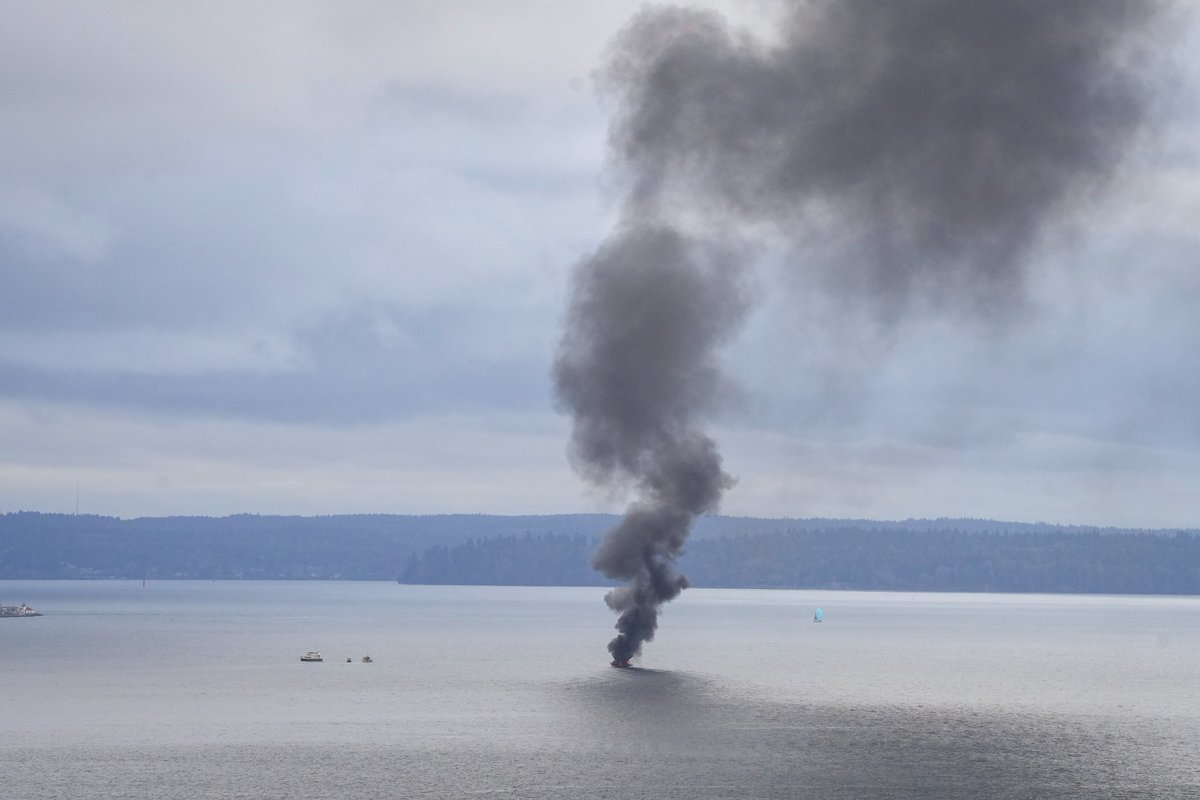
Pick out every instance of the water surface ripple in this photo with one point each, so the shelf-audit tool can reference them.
(195, 690)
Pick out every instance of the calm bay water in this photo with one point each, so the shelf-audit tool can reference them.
(188, 689)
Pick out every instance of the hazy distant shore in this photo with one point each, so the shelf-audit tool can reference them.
(732, 552)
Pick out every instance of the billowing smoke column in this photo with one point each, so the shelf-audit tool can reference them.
(929, 144)
(637, 368)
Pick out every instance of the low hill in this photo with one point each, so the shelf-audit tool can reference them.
(912, 555)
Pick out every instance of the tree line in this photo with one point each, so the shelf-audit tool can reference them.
(855, 558)
(910, 555)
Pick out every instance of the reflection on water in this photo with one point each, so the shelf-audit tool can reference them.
(680, 737)
(195, 691)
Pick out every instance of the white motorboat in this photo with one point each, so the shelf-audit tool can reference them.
(18, 611)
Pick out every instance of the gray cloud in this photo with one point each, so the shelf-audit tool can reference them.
(358, 368)
(338, 218)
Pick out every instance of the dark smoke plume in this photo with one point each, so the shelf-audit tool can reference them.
(637, 369)
(929, 143)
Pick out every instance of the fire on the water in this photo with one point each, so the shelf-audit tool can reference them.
(621, 663)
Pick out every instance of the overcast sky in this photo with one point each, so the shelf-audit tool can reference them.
(312, 258)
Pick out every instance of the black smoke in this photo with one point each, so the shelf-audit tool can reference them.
(929, 144)
(637, 368)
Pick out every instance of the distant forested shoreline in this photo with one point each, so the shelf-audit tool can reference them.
(734, 552)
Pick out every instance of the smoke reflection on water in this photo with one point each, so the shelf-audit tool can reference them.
(673, 731)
